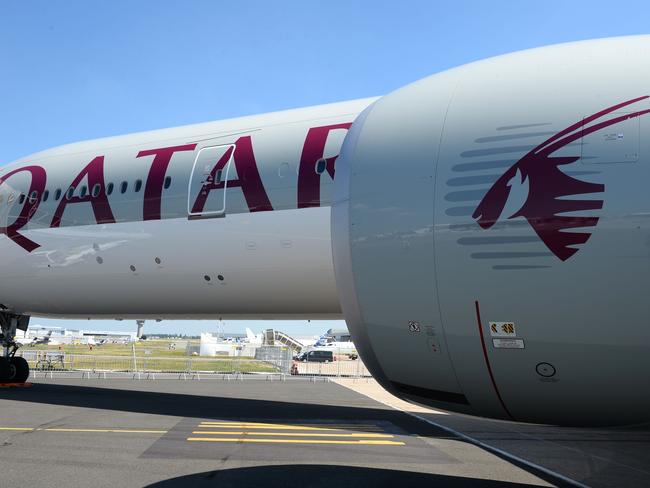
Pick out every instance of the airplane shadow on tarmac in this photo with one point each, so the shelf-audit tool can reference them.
(207, 406)
(212, 406)
(324, 476)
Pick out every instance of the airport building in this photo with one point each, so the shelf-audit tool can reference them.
(62, 335)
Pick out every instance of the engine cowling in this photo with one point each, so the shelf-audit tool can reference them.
(490, 235)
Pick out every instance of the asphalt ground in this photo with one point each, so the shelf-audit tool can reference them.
(599, 458)
(595, 457)
(160, 433)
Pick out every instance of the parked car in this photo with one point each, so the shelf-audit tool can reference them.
(316, 356)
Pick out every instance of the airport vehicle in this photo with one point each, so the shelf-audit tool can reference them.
(486, 237)
(315, 356)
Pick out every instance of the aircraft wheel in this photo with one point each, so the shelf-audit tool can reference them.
(19, 368)
(6, 370)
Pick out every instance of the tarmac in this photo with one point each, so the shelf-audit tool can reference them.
(595, 457)
(168, 432)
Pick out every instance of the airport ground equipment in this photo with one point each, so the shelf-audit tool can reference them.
(272, 336)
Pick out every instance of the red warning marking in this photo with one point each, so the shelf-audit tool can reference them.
(487, 361)
(16, 385)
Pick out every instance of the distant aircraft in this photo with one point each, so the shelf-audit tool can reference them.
(339, 347)
(93, 342)
(484, 232)
(253, 338)
(34, 341)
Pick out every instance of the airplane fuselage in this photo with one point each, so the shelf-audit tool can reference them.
(114, 228)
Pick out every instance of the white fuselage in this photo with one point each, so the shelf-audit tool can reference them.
(345, 347)
(135, 254)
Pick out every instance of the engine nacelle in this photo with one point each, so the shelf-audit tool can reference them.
(491, 236)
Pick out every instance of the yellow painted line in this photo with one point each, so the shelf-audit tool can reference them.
(278, 426)
(297, 441)
(306, 424)
(111, 431)
(291, 434)
(288, 427)
(117, 431)
(313, 424)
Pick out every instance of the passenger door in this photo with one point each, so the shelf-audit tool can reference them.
(209, 182)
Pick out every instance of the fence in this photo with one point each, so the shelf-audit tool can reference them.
(53, 361)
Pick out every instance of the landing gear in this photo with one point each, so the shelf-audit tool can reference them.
(19, 368)
(5, 370)
(13, 369)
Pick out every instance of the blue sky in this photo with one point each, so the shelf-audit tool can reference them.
(74, 70)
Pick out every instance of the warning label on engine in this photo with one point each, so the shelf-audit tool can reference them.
(503, 329)
(508, 343)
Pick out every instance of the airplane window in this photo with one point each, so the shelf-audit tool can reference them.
(123, 187)
(33, 196)
(82, 192)
(57, 194)
(321, 166)
(219, 175)
(138, 186)
(168, 182)
(109, 189)
(96, 189)
(11, 198)
(69, 193)
(46, 194)
(21, 199)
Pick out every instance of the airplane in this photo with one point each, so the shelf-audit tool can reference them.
(93, 342)
(253, 338)
(34, 341)
(484, 231)
(326, 342)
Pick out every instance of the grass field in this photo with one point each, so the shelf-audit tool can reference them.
(155, 347)
(150, 355)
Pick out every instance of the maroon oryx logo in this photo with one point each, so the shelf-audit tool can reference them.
(547, 185)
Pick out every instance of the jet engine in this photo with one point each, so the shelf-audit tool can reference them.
(491, 237)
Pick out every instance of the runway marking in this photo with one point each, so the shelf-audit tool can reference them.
(105, 431)
(297, 441)
(308, 424)
(293, 434)
(109, 431)
(311, 427)
(299, 433)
